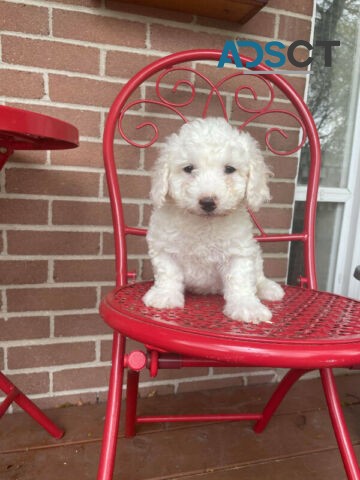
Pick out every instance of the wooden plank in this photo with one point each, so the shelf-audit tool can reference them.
(232, 10)
(85, 423)
(186, 452)
(314, 466)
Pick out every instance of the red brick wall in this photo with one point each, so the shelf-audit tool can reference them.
(68, 59)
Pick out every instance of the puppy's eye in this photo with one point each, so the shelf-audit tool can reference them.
(229, 169)
(188, 168)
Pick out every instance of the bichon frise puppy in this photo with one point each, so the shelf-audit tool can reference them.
(200, 235)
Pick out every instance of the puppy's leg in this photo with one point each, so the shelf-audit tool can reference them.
(241, 302)
(168, 289)
(266, 289)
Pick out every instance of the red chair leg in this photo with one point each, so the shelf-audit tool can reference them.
(15, 395)
(339, 425)
(284, 386)
(111, 429)
(132, 390)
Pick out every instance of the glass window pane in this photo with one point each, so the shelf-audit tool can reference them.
(333, 90)
(328, 224)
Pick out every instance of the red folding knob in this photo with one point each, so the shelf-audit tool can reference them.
(136, 360)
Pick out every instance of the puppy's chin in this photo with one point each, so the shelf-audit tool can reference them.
(214, 214)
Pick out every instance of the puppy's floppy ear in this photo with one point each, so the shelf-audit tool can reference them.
(257, 190)
(160, 180)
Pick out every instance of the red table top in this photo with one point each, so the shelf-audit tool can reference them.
(25, 130)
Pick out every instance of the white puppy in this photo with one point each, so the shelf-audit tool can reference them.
(200, 234)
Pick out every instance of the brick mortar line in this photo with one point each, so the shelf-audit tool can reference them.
(47, 313)
(258, 373)
(2, 184)
(5, 243)
(99, 295)
(41, 103)
(50, 279)
(46, 285)
(102, 181)
(92, 199)
(242, 373)
(46, 341)
(50, 213)
(98, 350)
(50, 21)
(56, 369)
(148, 36)
(51, 384)
(4, 302)
(100, 228)
(276, 26)
(74, 168)
(52, 326)
(58, 228)
(103, 114)
(102, 63)
(286, 13)
(50, 370)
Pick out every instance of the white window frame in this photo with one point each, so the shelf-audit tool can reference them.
(346, 255)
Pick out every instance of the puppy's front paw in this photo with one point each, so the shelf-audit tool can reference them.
(269, 290)
(249, 310)
(160, 298)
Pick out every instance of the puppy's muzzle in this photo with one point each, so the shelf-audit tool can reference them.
(207, 204)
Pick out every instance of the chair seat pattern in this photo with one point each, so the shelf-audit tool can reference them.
(303, 316)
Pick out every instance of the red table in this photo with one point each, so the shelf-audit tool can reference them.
(25, 130)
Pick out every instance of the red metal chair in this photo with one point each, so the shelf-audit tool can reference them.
(310, 330)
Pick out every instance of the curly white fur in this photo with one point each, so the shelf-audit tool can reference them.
(200, 234)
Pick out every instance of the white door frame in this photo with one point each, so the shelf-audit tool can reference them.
(349, 246)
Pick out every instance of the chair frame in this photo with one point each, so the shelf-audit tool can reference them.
(158, 356)
(14, 395)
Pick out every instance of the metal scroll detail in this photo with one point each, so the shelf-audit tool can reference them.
(198, 85)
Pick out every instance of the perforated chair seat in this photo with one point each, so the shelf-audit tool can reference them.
(309, 329)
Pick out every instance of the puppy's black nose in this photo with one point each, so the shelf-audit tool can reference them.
(208, 204)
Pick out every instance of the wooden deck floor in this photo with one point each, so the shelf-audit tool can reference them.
(298, 443)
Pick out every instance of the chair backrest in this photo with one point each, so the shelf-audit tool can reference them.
(264, 104)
